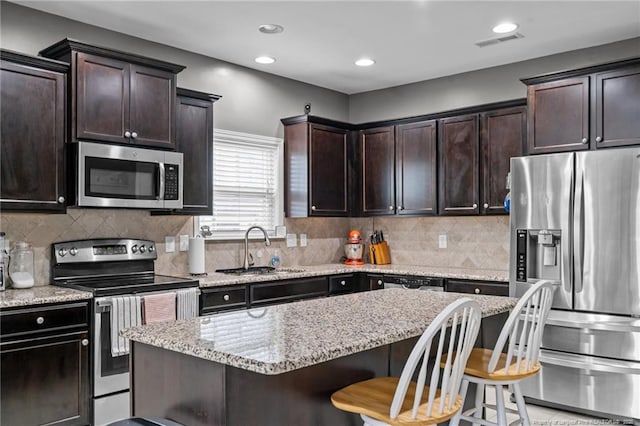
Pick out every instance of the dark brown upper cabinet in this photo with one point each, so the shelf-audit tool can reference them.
(194, 138)
(377, 149)
(502, 136)
(317, 167)
(119, 97)
(416, 168)
(459, 165)
(587, 108)
(32, 133)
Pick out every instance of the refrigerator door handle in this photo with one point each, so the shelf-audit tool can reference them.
(578, 231)
(585, 362)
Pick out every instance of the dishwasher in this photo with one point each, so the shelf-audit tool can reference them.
(408, 282)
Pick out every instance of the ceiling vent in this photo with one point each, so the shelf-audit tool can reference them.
(499, 40)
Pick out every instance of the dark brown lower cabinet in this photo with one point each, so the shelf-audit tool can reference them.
(222, 299)
(44, 376)
(287, 290)
(488, 288)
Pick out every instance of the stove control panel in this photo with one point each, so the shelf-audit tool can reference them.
(104, 249)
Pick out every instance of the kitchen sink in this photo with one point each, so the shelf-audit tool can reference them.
(259, 270)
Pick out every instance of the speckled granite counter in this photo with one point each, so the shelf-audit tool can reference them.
(282, 338)
(215, 279)
(39, 295)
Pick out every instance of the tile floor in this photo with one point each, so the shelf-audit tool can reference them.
(548, 416)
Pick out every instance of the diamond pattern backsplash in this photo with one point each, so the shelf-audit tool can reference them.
(473, 242)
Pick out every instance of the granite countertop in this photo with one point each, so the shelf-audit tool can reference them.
(281, 338)
(214, 279)
(39, 295)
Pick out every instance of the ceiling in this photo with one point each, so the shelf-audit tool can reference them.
(409, 40)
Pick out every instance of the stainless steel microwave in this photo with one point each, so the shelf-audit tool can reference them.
(122, 176)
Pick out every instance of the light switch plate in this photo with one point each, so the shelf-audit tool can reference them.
(184, 242)
(291, 240)
(442, 241)
(169, 244)
(303, 240)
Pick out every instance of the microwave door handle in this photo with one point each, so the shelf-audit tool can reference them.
(161, 183)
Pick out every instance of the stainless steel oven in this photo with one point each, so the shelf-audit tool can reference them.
(110, 269)
(121, 176)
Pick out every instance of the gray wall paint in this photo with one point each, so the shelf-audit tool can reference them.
(252, 102)
(476, 87)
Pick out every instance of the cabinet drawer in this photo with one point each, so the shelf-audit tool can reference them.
(478, 287)
(339, 284)
(223, 298)
(376, 282)
(35, 320)
(288, 290)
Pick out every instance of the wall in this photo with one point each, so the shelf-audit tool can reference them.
(476, 87)
(252, 101)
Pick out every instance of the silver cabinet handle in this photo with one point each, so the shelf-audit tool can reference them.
(61, 199)
(390, 207)
(475, 206)
(343, 282)
(134, 135)
(598, 138)
(226, 297)
(476, 291)
(401, 208)
(127, 134)
(40, 320)
(313, 207)
(585, 140)
(485, 205)
(380, 282)
(84, 342)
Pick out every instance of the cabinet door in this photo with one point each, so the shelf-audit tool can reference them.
(328, 177)
(153, 94)
(416, 168)
(503, 135)
(45, 381)
(32, 131)
(378, 174)
(558, 116)
(194, 138)
(459, 165)
(617, 109)
(101, 99)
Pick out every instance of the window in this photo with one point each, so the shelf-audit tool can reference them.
(247, 185)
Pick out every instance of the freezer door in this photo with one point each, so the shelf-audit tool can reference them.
(607, 231)
(541, 199)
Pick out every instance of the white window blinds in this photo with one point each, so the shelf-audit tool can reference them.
(247, 184)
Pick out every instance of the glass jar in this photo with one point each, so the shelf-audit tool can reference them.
(21, 265)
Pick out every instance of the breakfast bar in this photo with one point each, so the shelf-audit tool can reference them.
(280, 364)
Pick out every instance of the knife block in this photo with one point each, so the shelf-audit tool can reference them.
(379, 253)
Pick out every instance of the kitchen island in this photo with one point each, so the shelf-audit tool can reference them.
(280, 364)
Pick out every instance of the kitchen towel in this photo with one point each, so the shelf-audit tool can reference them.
(196, 255)
(159, 307)
(125, 313)
(187, 303)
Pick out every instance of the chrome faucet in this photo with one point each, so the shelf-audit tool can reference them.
(267, 243)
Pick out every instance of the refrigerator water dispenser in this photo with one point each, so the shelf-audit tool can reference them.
(538, 254)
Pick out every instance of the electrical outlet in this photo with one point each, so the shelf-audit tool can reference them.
(292, 240)
(169, 244)
(442, 241)
(184, 242)
(303, 240)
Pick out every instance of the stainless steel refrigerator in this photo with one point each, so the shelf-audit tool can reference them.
(575, 218)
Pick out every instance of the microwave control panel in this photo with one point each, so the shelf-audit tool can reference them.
(171, 182)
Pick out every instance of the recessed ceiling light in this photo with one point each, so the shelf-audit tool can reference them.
(505, 27)
(270, 28)
(265, 60)
(365, 62)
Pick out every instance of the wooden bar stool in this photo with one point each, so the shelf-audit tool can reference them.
(522, 333)
(400, 401)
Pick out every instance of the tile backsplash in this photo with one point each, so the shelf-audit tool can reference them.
(472, 242)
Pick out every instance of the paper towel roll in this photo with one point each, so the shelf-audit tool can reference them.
(196, 255)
